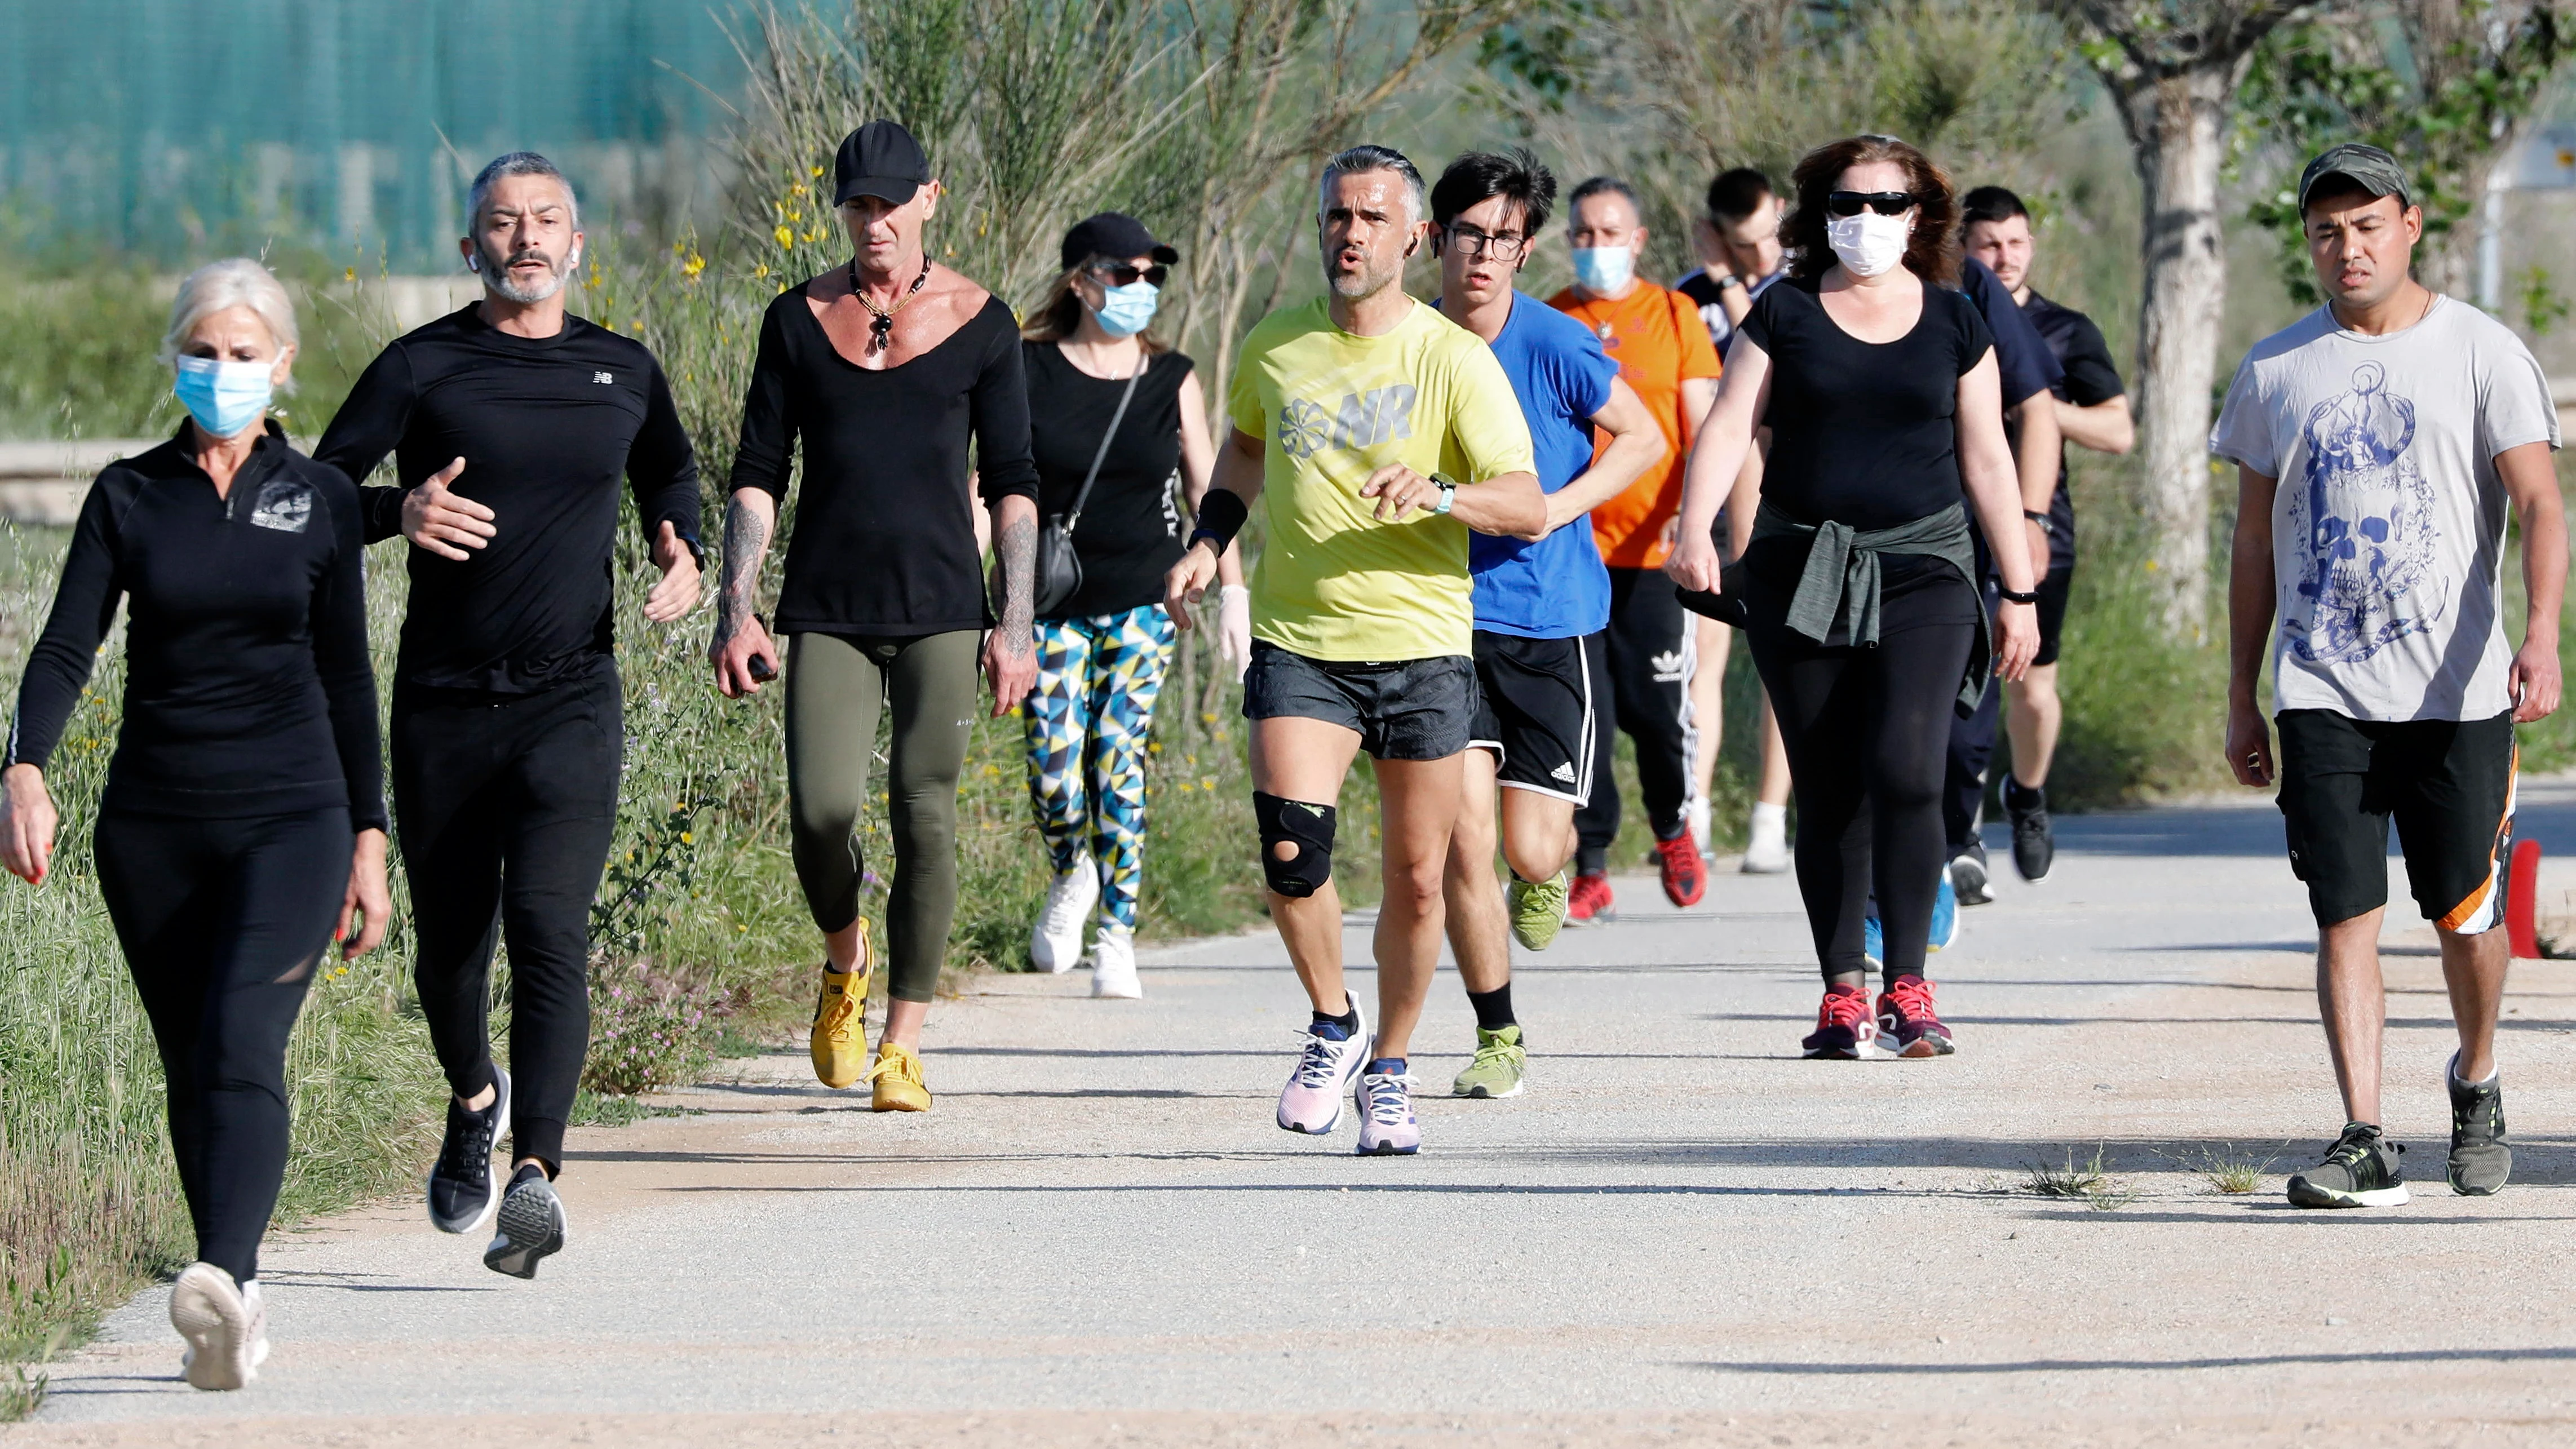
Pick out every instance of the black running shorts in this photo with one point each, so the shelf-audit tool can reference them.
(2053, 591)
(2449, 786)
(1409, 709)
(1536, 713)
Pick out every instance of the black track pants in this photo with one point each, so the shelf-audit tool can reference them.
(223, 923)
(1971, 752)
(1868, 731)
(1643, 664)
(507, 807)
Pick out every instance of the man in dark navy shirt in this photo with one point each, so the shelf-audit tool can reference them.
(2093, 412)
(513, 427)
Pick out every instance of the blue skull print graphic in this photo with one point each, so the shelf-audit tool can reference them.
(2367, 512)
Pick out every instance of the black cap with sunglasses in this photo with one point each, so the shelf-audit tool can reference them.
(1119, 237)
(1885, 203)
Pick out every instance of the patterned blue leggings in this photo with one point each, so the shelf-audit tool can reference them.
(1088, 718)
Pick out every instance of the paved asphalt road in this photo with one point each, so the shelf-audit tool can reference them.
(1681, 1234)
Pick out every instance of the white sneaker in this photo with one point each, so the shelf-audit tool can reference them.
(1767, 852)
(1055, 944)
(1113, 964)
(207, 1308)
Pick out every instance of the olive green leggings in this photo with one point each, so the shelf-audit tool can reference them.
(835, 686)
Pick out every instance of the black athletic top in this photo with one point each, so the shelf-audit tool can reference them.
(2091, 380)
(247, 688)
(1129, 534)
(884, 541)
(549, 428)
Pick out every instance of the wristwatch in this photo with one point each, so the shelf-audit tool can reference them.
(1448, 487)
(1728, 279)
(2047, 525)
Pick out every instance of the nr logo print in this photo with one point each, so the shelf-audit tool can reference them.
(1364, 420)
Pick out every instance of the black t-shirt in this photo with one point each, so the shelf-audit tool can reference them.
(884, 539)
(247, 684)
(549, 428)
(2091, 380)
(1129, 534)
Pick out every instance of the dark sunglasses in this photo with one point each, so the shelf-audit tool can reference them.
(1885, 203)
(1127, 276)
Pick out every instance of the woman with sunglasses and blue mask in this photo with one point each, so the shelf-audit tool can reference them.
(241, 835)
(1878, 381)
(1118, 425)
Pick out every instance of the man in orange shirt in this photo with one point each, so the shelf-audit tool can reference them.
(1645, 659)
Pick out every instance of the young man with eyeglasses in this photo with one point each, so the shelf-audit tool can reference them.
(1643, 662)
(2379, 443)
(1536, 600)
(1376, 435)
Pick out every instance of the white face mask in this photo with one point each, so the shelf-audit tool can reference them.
(1869, 243)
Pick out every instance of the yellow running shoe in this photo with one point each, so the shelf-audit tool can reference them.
(898, 1078)
(840, 1036)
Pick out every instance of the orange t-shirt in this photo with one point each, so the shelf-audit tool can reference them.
(1658, 341)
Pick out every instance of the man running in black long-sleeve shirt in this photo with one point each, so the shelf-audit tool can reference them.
(512, 426)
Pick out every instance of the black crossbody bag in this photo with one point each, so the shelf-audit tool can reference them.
(1059, 568)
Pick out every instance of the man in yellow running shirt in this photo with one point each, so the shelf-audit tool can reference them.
(1378, 433)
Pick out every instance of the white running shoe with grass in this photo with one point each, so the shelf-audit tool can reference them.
(225, 1329)
(1387, 1125)
(1113, 964)
(1055, 943)
(1312, 1100)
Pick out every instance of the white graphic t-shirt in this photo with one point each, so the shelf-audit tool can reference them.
(2388, 522)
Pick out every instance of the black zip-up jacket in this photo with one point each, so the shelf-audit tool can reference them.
(550, 428)
(247, 687)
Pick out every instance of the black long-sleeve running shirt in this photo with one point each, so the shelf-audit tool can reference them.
(885, 529)
(247, 684)
(549, 428)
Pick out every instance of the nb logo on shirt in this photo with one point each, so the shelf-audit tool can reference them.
(605, 379)
(1366, 419)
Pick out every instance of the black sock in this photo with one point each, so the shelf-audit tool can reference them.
(1493, 1008)
(1348, 1022)
(526, 1171)
(1591, 860)
(2018, 796)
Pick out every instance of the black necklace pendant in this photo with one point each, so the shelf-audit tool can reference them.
(883, 327)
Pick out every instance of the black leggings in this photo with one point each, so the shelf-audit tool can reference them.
(506, 810)
(1641, 679)
(1868, 732)
(223, 922)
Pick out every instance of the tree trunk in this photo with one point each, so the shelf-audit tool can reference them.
(2177, 130)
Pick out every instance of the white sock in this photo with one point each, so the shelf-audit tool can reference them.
(2453, 1072)
(250, 1292)
(1770, 823)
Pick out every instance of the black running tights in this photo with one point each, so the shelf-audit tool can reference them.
(1868, 732)
(506, 810)
(223, 923)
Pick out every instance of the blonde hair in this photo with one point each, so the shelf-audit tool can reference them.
(233, 282)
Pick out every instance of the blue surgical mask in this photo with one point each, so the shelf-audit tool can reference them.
(224, 397)
(1128, 310)
(1604, 270)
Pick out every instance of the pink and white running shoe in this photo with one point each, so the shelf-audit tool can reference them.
(1386, 1114)
(1312, 1100)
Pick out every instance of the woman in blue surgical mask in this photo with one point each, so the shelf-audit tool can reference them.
(239, 843)
(1119, 427)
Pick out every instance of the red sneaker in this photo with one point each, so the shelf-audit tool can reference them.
(1845, 1031)
(1685, 876)
(1589, 901)
(1905, 1016)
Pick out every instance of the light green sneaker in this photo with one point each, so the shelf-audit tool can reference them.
(1538, 911)
(1500, 1060)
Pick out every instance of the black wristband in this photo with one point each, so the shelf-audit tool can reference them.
(1221, 516)
(2010, 597)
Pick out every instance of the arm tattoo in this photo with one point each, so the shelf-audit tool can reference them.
(1018, 553)
(746, 539)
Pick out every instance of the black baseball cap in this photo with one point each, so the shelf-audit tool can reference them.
(2367, 167)
(879, 159)
(1113, 234)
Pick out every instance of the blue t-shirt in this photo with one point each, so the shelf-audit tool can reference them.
(1557, 587)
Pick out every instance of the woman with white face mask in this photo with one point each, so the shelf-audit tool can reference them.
(1878, 382)
(241, 836)
(1118, 427)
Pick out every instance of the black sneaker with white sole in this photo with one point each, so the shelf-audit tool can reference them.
(462, 1192)
(2481, 1159)
(2034, 843)
(1968, 875)
(531, 1225)
(2360, 1170)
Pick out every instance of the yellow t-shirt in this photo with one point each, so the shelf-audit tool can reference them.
(1332, 581)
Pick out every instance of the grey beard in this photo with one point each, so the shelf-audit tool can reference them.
(496, 275)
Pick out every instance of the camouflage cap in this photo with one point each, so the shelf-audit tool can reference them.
(2368, 167)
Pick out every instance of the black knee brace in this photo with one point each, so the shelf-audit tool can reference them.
(1309, 828)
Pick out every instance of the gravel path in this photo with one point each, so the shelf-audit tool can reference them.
(1680, 1234)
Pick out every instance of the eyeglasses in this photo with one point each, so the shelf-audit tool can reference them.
(1127, 276)
(1474, 243)
(1885, 203)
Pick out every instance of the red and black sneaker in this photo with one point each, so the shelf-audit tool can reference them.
(1845, 1031)
(1685, 875)
(1906, 1018)
(1589, 901)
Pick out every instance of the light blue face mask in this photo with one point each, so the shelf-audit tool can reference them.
(224, 397)
(1604, 270)
(1128, 310)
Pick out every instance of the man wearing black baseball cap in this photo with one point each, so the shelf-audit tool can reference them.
(2404, 424)
(882, 369)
